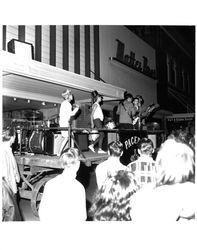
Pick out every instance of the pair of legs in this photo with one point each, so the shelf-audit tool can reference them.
(99, 125)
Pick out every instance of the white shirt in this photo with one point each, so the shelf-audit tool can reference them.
(107, 168)
(63, 200)
(144, 170)
(65, 113)
(98, 113)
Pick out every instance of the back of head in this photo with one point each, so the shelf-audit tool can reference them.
(175, 163)
(180, 136)
(115, 148)
(8, 133)
(145, 146)
(70, 157)
(112, 200)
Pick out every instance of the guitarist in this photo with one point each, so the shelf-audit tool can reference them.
(142, 112)
(126, 111)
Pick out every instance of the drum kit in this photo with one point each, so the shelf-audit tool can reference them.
(29, 134)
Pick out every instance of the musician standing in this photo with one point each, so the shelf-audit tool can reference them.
(97, 118)
(65, 115)
(126, 111)
(140, 112)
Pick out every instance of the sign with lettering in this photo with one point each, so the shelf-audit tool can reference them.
(130, 140)
(130, 61)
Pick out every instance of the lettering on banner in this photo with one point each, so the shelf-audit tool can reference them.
(131, 141)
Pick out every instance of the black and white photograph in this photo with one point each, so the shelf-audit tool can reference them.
(98, 126)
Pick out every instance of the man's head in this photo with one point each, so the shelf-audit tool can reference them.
(115, 148)
(145, 147)
(128, 97)
(70, 159)
(140, 99)
(67, 95)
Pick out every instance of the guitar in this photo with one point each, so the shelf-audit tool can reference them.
(148, 111)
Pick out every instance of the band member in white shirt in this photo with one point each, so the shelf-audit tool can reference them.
(97, 118)
(65, 115)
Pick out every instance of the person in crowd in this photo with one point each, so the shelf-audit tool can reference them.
(112, 164)
(10, 169)
(10, 208)
(10, 178)
(97, 118)
(144, 167)
(66, 112)
(64, 198)
(173, 197)
(192, 142)
(180, 135)
(126, 111)
(112, 202)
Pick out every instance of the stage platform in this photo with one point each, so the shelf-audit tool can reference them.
(52, 161)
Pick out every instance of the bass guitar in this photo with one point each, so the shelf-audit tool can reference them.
(145, 114)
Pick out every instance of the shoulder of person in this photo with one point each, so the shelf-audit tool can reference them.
(95, 105)
(132, 165)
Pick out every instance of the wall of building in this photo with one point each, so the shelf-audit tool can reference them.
(69, 47)
(86, 49)
(116, 74)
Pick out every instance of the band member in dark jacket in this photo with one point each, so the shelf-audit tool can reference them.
(126, 111)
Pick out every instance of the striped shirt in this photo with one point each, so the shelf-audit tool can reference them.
(144, 170)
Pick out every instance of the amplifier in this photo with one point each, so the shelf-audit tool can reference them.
(52, 143)
(82, 141)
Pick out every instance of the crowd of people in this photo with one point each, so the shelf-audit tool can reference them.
(148, 190)
(145, 190)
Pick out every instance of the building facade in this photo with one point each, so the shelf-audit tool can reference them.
(106, 55)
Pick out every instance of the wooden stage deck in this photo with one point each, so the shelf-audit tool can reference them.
(48, 161)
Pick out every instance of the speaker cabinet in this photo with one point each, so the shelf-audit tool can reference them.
(82, 141)
(53, 143)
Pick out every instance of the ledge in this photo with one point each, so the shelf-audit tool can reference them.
(13, 64)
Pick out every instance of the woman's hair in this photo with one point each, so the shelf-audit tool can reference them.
(115, 148)
(94, 96)
(145, 145)
(175, 163)
(70, 157)
(8, 132)
(112, 202)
